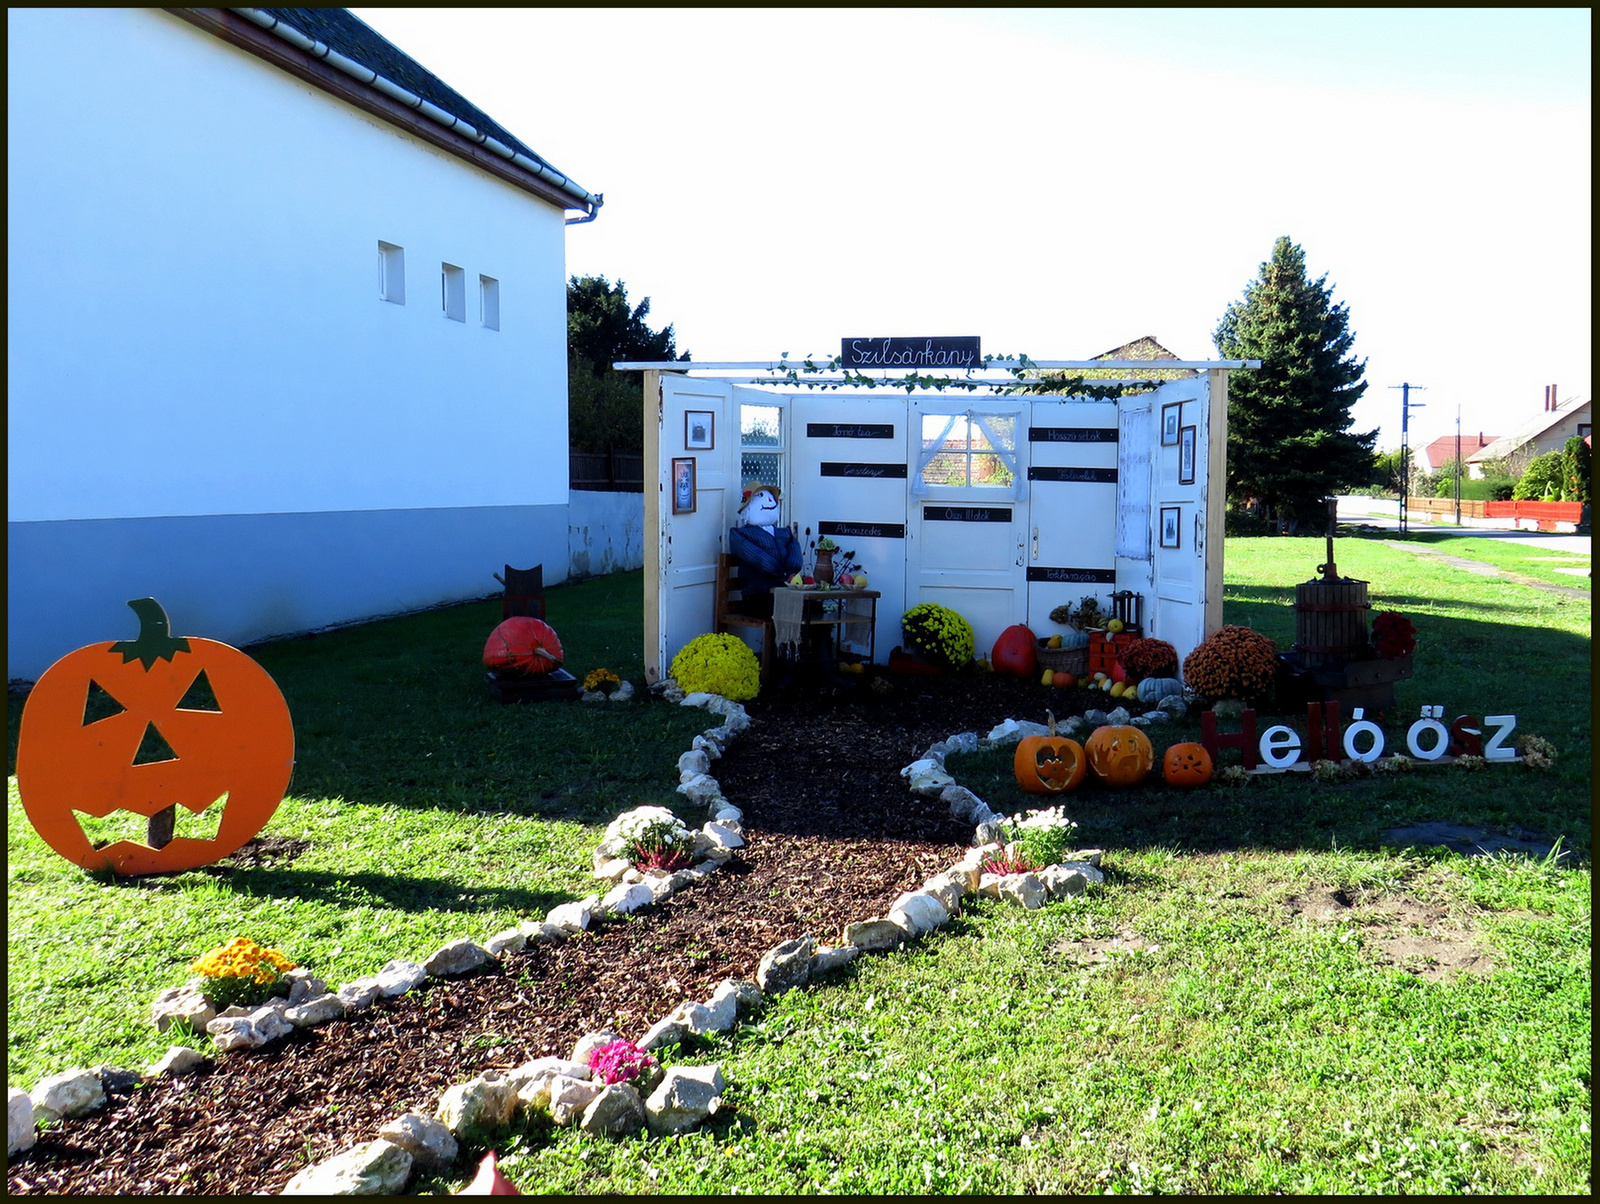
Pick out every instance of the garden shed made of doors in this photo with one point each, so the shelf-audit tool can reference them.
(999, 503)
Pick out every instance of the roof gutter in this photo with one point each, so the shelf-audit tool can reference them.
(583, 199)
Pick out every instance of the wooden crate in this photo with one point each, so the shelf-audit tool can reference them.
(1105, 648)
(559, 686)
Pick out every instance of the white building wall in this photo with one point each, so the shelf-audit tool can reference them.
(195, 332)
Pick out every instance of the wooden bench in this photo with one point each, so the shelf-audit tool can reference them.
(524, 592)
(728, 610)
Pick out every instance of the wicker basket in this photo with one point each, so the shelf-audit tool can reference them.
(1063, 660)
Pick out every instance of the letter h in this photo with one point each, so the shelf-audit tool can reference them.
(1244, 739)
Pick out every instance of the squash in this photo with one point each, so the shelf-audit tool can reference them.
(1187, 764)
(1120, 754)
(1075, 639)
(1048, 764)
(1154, 689)
(524, 645)
(1014, 652)
(227, 743)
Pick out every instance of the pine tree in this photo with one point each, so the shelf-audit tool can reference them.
(1289, 443)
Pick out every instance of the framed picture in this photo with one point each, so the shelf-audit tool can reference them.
(1169, 423)
(1186, 456)
(699, 430)
(1169, 526)
(683, 485)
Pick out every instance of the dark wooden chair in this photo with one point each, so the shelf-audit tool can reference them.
(524, 592)
(729, 611)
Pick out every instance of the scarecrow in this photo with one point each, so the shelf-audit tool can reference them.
(768, 553)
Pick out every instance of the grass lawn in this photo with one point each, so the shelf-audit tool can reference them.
(1543, 564)
(1263, 997)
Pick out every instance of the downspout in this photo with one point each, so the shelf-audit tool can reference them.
(589, 202)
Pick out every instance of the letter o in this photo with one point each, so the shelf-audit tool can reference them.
(1363, 727)
(1280, 746)
(1441, 739)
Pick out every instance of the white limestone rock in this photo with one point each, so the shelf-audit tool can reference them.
(685, 1097)
(785, 966)
(429, 1142)
(70, 1093)
(179, 1059)
(623, 693)
(1095, 717)
(304, 985)
(478, 1107)
(182, 1003)
(1061, 882)
(1089, 869)
(700, 790)
(722, 1009)
(874, 936)
(926, 777)
(746, 992)
(1027, 889)
(311, 1012)
(1173, 704)
(722, 836)
(399, 976)
(962, 742)
(625, 899)
(728, 813)
(542, 931)
(708, 744)
(376, 1168)
(962, 802)
(692, 764)
(570, 1098)
(574, 917)
(458, 957)
(989, 885)
(1090, 856)
(698, 699)
(358, 995)
(20, 1128)
(667, 1031)
(918, 912)
(1117, 715)
(615, 1112)
(727, 708)
(659, 885)
(512, 940)
(586, 1045)
(948, 888)
(828, 958)
(611, 869)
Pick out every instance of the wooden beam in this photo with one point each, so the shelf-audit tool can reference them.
(1216, 497)
(654, 529)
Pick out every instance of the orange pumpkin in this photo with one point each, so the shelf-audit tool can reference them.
(523, 644)
(1048, 764)
(1186, 764)
(1120, 754)
(238, 755)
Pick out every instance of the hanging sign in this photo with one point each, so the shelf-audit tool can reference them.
(959, 352)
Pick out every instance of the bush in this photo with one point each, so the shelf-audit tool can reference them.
(1235, 662)
(1541, 481)
(1241, 522)
(1150, 658)
(940, 634)
(718, 664)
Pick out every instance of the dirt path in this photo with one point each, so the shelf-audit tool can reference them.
(1489, 570)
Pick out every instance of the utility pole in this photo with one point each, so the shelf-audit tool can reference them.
(1406, 406)
(1458, 463)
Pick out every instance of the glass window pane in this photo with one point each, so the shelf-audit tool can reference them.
(761, 467)
(761, 426)
(946, 468)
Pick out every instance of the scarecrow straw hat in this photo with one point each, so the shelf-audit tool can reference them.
(751, 488)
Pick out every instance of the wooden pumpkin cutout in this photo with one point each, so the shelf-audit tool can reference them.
(1120, 754)
(117, 727)
(1048, 764)
(1187, 764)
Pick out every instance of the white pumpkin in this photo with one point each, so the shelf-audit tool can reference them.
(1154, 689)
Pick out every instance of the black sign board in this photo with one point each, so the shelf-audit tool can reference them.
(834, 469)
(863, 530)
(1098, 476)
(850, 430)
(966, 514)
(960, 353)
(1072, 434)
(1074, 576)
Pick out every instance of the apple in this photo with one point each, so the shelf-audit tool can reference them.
(797, 581)
(846, 580)
(1060, 680)
(861, 581)
(808, 580)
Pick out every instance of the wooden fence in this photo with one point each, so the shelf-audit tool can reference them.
(612, 471)
(1546, 514)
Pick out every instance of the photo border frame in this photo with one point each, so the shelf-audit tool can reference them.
(1176, 513)
(1187, 446)
(1171, 416)
(688, 462)
(710, 417)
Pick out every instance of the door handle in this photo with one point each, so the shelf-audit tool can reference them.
(1197, 533)
(1036, 543)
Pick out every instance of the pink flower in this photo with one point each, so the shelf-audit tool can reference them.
(619, 1062)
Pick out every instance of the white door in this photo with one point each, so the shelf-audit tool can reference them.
(1179, 491)
(967, 532)
(1072, 486)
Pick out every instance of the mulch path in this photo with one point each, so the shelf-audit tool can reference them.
(833, 837)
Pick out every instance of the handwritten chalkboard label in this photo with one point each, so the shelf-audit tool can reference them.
(1072, 434)
(863, 530)
(1073, 576)
(966, 514)
(1098, 476)
(848, 430)
(959, 353)
(832, 468)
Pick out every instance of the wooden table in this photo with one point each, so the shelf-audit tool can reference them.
(856, 607)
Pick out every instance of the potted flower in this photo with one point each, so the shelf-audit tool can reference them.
(822, 572)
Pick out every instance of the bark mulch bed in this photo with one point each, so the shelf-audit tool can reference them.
(833, 836)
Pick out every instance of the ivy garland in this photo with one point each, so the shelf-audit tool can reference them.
(1074, 386)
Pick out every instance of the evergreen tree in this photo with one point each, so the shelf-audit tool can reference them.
(1289, 443)
(604, 407)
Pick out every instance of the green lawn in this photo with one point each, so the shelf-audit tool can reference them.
(1530, 560)
(1263, 997)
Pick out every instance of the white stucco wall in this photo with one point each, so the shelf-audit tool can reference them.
(194, 324)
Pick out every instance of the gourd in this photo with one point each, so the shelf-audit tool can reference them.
(1120, 754)
(231, 744)
(523, 644)
(1154, 689)
(1075, 639)
(1187, 764)
(1014, 653)
(1048, 764)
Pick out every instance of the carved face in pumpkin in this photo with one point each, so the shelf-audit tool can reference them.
(1186, 764)
(235, 752)
(1120, 754)
(1048, 764)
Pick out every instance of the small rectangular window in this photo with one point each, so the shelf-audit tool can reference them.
(453, 292)
(489, 301)
(761, 444)
(391, 272)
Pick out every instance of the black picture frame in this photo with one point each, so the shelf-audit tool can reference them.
(1171, 531)
(699, 430)
(1171, 415)
(683, 485)
(1186, 447)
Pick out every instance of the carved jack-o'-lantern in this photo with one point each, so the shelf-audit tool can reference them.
(1048, 764)
(234, 748)
(1187, 764)
(1120, 754)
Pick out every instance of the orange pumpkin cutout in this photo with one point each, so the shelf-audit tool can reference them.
(238, 755)
(1048, 764)
(1186, 765)
(1120, 754)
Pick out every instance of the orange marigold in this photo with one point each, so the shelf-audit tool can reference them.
(1235, 662)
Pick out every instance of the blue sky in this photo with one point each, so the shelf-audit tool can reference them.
(1059, 182)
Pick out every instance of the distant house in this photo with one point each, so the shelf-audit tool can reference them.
(1144, 347)
(1442, 450)
(287, 329)
(1545, 431)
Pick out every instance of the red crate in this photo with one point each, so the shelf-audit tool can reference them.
(1105, 648)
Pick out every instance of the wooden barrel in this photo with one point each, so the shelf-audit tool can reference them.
(1331, 623)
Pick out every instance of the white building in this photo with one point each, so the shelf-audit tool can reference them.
(287, 337)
